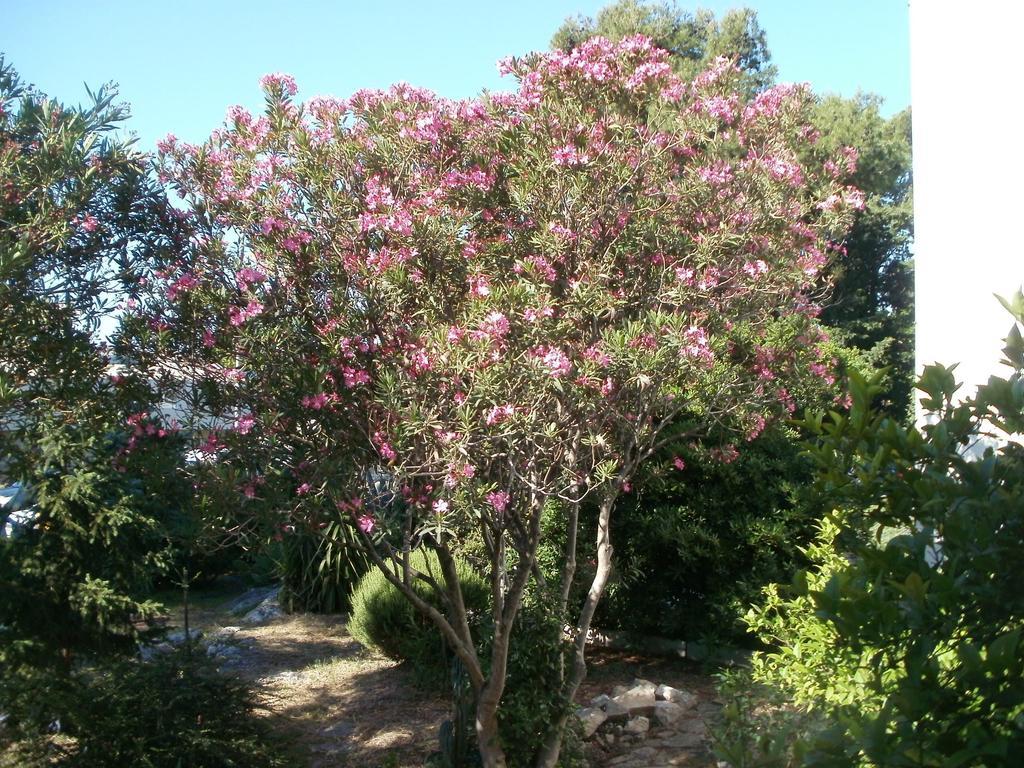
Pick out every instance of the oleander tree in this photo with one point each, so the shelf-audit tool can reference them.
(448, 320)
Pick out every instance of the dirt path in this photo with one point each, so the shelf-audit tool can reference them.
(351, 708)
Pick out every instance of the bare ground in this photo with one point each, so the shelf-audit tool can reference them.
(349, 707)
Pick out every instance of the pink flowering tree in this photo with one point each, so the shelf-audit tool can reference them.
(448, 319)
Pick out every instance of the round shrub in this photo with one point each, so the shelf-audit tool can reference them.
(382, 618)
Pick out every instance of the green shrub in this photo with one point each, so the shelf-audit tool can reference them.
(173, 711)
(382, 617)
(907, 639)
(532, 699)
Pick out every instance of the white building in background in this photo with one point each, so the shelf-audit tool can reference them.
(968, 179)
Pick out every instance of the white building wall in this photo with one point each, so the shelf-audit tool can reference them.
(966, 86)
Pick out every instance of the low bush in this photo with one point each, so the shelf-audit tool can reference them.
(383, 619)
(173, 711)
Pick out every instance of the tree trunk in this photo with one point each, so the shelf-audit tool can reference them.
(552, 746)
(488, 737)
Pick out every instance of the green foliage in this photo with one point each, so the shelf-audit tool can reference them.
(872, 301)
(382, 617)
(907, 635)
(530, 703)
(80, 223)
(169, 712)
(320, 567)
(696, 546)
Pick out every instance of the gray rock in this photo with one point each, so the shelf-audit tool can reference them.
(667, 712)
(267, 610)
(601, 700)
(223, 651)
(252, 598)
(592, 719)
(614, 711)
(148, 652)
(684, 699)
(226, 632)
(639, 701)
(637, 726)
(646, 686)
(177, 638)
(687, 740)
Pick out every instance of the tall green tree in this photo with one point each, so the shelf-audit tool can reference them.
(81, 222)
(872, 294)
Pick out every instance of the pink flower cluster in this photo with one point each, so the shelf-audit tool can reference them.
(697, 345)
(180, 286)
(553, 360)
(279, 82)
(239, 315)
(499, 500)
(500, 413)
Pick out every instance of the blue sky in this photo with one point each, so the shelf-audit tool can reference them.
(181, 64)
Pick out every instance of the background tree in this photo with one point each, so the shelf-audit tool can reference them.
(694, 40)
(79, 219)
(453, 319)
(871, 302)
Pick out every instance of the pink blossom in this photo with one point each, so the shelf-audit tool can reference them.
(499, 500)
(167, 144)
(500, 413)
(697, 345)
(211, 445)
(726, 454)
(237, 316)
(554, 360)
(717, 174)
(245, 423)
(479, 286)
(181, 285)
(315, 402)
(458, 473)
(678, 463)
(279, 82)
(366, 524)
(755, 268)
(303, 489)
(569, 156)
(384, 447)
(440, 506)
(757, 427)
(354, 377)
(208, 338)
(247, 276)
(90, 223)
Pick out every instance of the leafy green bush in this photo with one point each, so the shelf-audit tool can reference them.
(382, 618)
(909, 642)
(531, 702)
(172, 711)
(695, 547)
